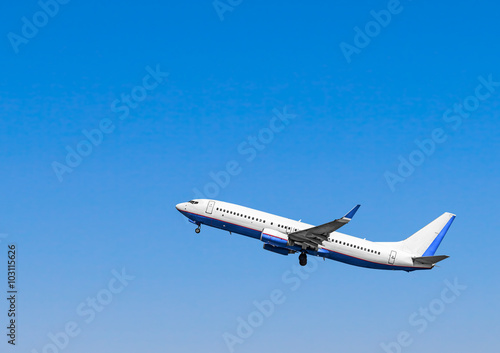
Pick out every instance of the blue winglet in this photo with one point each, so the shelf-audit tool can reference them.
(352, 212)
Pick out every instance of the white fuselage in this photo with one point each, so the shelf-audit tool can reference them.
(339, 246)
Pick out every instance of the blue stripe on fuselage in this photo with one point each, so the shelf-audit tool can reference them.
(230, 227)
(355, 261)
(322, 252)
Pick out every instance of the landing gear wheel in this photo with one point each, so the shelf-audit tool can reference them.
(197, 230)
(303, 259)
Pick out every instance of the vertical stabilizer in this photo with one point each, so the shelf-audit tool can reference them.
(426, 241)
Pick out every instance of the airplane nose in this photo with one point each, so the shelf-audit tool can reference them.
(178, 206)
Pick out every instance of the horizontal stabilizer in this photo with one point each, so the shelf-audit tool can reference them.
(429, 260)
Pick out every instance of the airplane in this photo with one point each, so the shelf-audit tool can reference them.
(286, 236)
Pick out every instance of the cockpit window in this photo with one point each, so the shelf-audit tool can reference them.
(193, 202)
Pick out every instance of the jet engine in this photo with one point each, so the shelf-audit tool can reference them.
(274, 237)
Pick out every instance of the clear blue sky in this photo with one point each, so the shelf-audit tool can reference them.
(355, 122)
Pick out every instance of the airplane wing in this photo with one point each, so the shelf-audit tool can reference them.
(430, 260)
(312, 237)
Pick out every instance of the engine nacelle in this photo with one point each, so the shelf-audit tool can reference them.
(277, 250)
(274, 237)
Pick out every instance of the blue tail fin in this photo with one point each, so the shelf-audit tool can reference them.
(426, 241)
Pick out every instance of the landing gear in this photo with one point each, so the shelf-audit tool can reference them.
(197, 230)
(303, 259)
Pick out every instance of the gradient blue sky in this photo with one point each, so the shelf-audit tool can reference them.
(353, 121)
